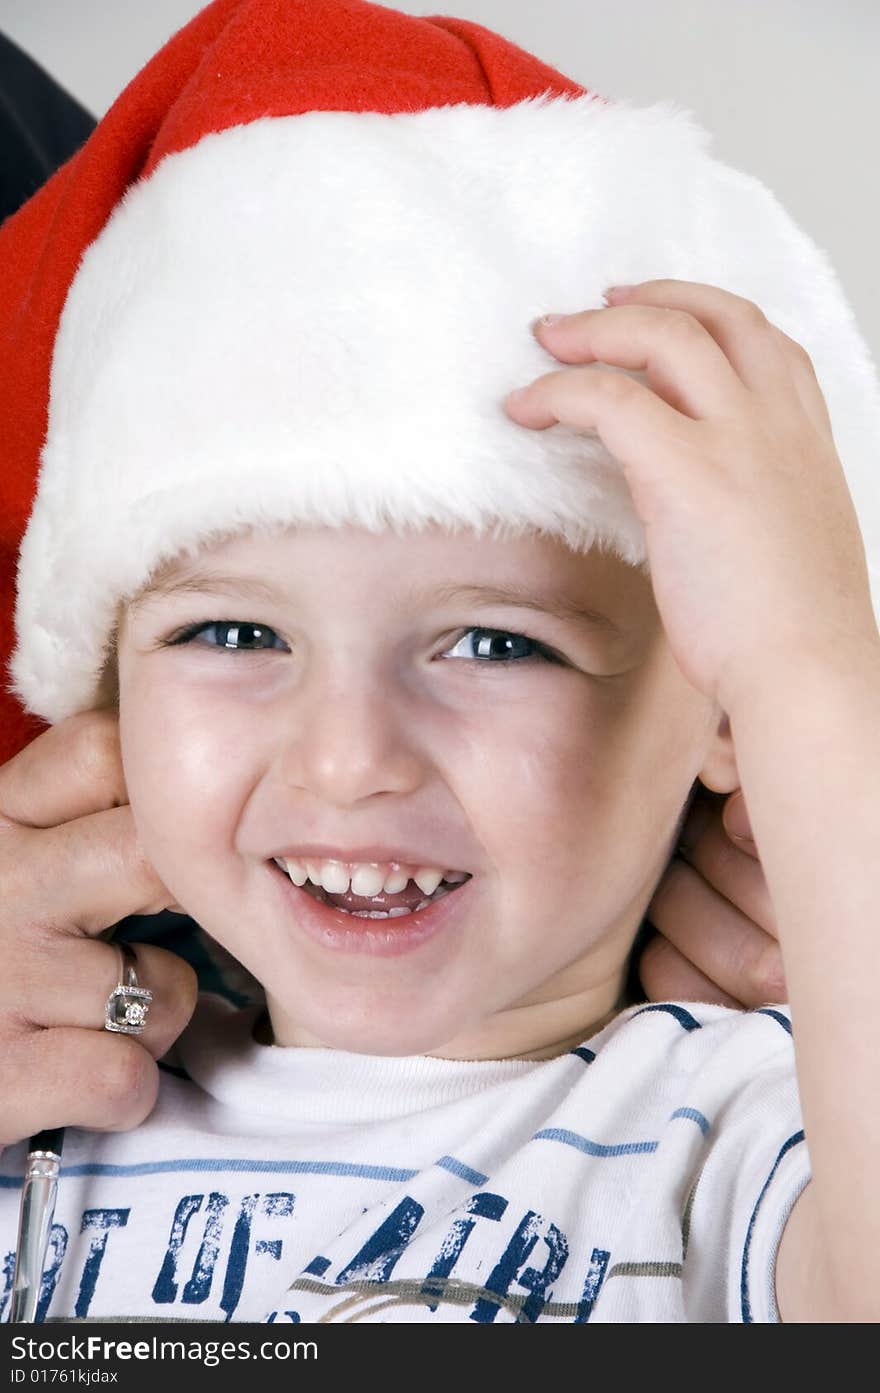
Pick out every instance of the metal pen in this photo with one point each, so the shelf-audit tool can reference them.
(37, 1210)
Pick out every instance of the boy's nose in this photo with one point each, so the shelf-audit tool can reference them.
(349, 744)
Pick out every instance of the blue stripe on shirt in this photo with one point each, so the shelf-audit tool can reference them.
(745, 1303)
(207, 1163)
(684, 1018)
(593, 1148)
(695, 1116)
(473, 1177)
(776, 1016)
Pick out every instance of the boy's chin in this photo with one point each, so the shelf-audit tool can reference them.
(374, 1036)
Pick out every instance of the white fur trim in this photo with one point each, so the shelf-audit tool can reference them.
(315, 318)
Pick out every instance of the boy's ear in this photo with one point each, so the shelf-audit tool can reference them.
(719, 771)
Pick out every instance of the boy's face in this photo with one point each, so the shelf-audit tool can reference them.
(370, 709)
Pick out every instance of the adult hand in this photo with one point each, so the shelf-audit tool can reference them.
(70, 867)
(716, 937)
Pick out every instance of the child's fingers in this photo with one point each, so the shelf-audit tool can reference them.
(806, 383)
(681, 359)
(745, 336)
(627, 416)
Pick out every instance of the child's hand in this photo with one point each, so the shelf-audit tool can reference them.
(716, 938)
(70, 866)
(752, 536)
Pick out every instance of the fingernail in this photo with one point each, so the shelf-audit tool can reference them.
(617, 292)
(771, 975)
(546, 321)
(736, 820)
(695, 825)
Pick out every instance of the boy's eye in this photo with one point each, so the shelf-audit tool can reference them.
(497, 645)
(231, 634)
(492, 645)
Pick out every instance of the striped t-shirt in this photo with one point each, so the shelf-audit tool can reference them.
(644, 1176)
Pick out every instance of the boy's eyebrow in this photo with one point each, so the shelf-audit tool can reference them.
(555, 602)
(250, 587)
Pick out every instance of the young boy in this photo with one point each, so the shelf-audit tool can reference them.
(414, 679)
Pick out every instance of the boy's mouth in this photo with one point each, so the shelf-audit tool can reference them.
(372, 890)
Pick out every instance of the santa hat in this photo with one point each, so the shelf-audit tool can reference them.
(290, 277)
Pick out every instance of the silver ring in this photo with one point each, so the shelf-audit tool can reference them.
(128, 1004)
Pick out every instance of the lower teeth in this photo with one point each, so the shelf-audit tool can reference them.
(388, 913)
(378, 913)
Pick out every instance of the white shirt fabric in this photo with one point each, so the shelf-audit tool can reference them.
(644, 1176)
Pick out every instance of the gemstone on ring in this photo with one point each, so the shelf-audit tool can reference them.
(128, 1004)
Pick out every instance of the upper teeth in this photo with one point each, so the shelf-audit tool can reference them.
(364, 878)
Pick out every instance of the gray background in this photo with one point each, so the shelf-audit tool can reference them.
(790, 89)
